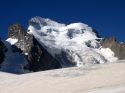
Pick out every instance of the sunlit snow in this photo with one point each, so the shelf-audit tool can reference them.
(12, 41)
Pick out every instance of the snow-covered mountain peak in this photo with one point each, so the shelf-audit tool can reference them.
(75, 43)
(48, 27)
(45, 22)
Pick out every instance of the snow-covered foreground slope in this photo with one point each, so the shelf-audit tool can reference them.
(113, 89)
(76, 43)
(106, 78)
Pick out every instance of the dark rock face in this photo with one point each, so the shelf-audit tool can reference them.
(117, 48)
(25, 41)
(65, 59)
(3, 49)
(38, 58)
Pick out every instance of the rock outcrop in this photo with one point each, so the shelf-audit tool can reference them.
(117, 48)
(38, 57)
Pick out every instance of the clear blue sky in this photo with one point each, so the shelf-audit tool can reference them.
(106, 16)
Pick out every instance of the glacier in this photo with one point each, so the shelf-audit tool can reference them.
(73, 44)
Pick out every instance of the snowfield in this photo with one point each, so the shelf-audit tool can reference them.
(103, 78)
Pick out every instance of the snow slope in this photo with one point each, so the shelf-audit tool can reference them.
(75, 43)
(108, 78)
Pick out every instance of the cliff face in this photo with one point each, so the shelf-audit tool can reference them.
(3, 49)
(117, 48)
